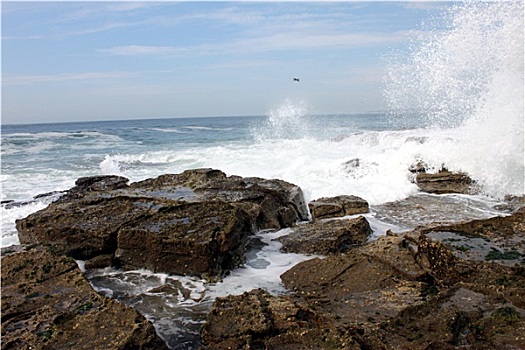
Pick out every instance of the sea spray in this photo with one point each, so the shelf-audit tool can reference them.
(466, 81)
(286, 120)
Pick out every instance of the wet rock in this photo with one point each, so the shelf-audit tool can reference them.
(417, 167)
(366, 287)
(500, 239)
(256, 319)
(323, 208)
(424, 209)
(326, 237)
(99, 183)
(512, 203)
(47, 303)
(195, 223)
(202, 239)
(351, 164)
(445, 182)
(412, 292)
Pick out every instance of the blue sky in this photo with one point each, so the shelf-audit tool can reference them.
(80, 61)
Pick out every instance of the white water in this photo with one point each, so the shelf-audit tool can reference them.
(467, 80)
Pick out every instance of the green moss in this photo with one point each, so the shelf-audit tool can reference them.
(505, 281)
(505, 255)
(85, 306)
(46, 334)
(463, 248)
(506, 314)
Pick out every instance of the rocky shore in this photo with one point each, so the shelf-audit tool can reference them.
(442, 285)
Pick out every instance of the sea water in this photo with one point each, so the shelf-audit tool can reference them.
(456, 100)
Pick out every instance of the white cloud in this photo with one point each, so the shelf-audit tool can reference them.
(270, 43)
(36, 79)
(134, 50)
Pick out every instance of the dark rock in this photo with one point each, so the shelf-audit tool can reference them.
(256, 319)
(196, 222)
(412, 291)
(327, 237)
(351, 164)
(445, 182)
(47, 303)
(323, 208)
(500, 239)
(201, 239)
(49, 194)
(417, 167)
(100, 183)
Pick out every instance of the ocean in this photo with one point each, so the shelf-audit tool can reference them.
(466, 115)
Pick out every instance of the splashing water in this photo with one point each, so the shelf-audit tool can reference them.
(287, 120)
(467, 81)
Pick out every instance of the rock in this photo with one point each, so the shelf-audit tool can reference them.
(445, 182)
(326, 237)
(47, 303)
(202, 239)
(367, 285)
(351, 164)
(99, 183)
(323, 208)
(256, 319)
(417, 167)
(512, 203)
(412, 291)
(500, 239)
(193, 223)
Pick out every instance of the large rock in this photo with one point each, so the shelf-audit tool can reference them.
(47, 303)
(500, 239)
(445, 182)
(331, 207)
(196, 222)
(398, 292)
(414, 291)
(258, 320)
(326, 237)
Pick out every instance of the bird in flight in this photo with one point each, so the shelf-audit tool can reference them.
(296, 79)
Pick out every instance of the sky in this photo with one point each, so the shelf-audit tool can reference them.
(72, 61)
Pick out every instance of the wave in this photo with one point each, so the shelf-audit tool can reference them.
(168, 130)
(467, 80)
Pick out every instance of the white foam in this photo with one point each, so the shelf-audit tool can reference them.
(110, 166)
(468, 80)
(262, 271)
(9, 216)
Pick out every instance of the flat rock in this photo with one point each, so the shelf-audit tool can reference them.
(47, 303)
(326, 237)
(259, 320)
(193, 223)
(500, 239)
(330, 207)
(445, 182)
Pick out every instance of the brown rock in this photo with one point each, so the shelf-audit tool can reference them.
(398, 292)
(327, 237)
(47, 303)
(445, 182)
(202, 239)
(196, 222)
(355, 282)
(323, 208)
(256, 319)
